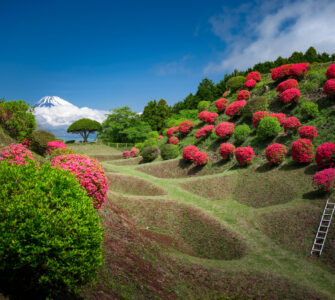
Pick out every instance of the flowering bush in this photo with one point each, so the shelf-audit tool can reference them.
(290, 95)
(89, 173)
(281, 72)
(60, 151)
(202, 115)
(250, 84)
(254, 75)
(210, 117)
(189, 151)
(259, 115)
(244, 155)
(200, 158)
(226, 150)
(287, 84)
(329, 87)
(26, 142)
(16, 154)
(299, 70)
(280, 117)
(134, 152)
(331, 72)
(204, 131)
(185, 127)
(325, 180)
(275, 153)
(173, 140)
(53, 145)
(243, 95)
(225, 93)
(221, 104)
(224, 129)
(234, 109)
(291, 124)
(171, 131)
(302, 151)
(126, 154)
(324, 156)
(307, 132)
(160, 137)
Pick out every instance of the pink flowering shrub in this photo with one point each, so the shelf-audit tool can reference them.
(224, 129)
(243, 95)
(225, 93)
(280, 117)
(189, 151)
(291, 124)
(331, 72)
(299, 70)
(250, 84)
(324, 156)
(185, 127)
(200, 158)
(287, 84)
(281, 72)
(53, 145)
(302, 151)
(204, 131)
(89, 173)
(290, 95)
(134, 152)
(259, 115)
(173, 140)
(226, 150)
(26, 143)
(308, 132)
(202, 115)
(254, 75)
(325, 180)
(244, 155)
(221, 104)
(126, 154)
(235, 109)
(171, 131)
(208, 117)
(160, 137)
(329, 88)
(16, 154)
(275, 153)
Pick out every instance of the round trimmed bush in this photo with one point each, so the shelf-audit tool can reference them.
(171, 131)
(235, 108)
(39, 141)
(268, 127)
(150, 142)
(331, 72)
(254, 75)
(203, 105)
(255, 104)
(226, 150)
(291, 124)
(281, 72)
(139, 146)
(280, 117)
(50, 234)
(149, 154)
(173, 140)
(302, 151)
(169, 151)
(204, 131)
(259, 115)
(200, 158)
(189, 151)
(243, 95)
(221, 104)
(329, 88)
(185, 127)
(309, 110)
(325, 180)
(241, 132)
(299, 70)
(126, 154)
(244, 155)
(290, 96)
(287, 84)
(208, 117)
(235, 83)
(325, 155)
(275, 153)
(224, 129)
(250, 84)
(308, 132)
(134, 152)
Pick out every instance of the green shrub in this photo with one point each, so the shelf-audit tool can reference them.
(253, 105)
(309, 110)
(50, 242)
(241, 132)
(40, 139)
(268, 127)
(153, 135)
(235, 83)
(169, 151)
(150, 142)
(149, 153)
(203, 105)
(139, 146)
(70, 142)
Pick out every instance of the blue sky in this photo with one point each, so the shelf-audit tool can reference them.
(105, 54)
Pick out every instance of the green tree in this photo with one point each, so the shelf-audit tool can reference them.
(84, 127)
(311, 55)
(296, 57)
(207, 91)
(155, 114)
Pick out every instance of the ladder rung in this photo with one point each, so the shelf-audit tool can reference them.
(318, 244)
(322, 232)
(327, 214)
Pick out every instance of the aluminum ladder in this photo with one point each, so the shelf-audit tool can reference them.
(324, 225)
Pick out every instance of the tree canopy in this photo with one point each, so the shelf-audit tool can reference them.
(155, 114)
(84, 127)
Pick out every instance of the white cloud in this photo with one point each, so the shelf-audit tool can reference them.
(271, 32)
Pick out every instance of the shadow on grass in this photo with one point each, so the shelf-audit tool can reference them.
(195, 170)
(265, 168)
(221, 162)
(216, 144)
(291, 166)
(324, 102)
(315, 195)
(311, 170)
(184, 164)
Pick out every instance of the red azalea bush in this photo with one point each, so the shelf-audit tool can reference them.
(234, 109)
(126, 154)
(325, 180)
(210, 117)
(291, 124)
(53, 145)
(299, 70)
(224, 129)
(221, 104)
(243, 95)
(290, 95)
(250, 84)
(89, 173)
(200, 158)
(281, 72)
(173, 140)
(185, 127)
(134, 152)
(254, 75)
(16, 154)
(202, 115)
(302, 151)
(329, 87)
(226, 150)
(331, 72)
(280, 117)
(259, 115)
(160, 137)
(189, 151)
(204, 131)
(287, 84)
(308, 132)
(275, 153)
(171, 131)
(244, 155)
(324, 156)
(25, 142)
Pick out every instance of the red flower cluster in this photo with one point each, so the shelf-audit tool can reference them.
(16, 154)
(221, 104)
(302, 151)
(244, 155)
(329, 87)
(189, 151)
(308, 132)
(226, 150)
(275, 153)
(173, 140)
(200, 158)
(287, 84)
(224, 129)
(325, 155)
(259, 115)
(294, 70)
(290, 95)
(325, 180)
(171, 131)
(53, 145)
(204, 131)
(225, 93)
(250, 84)
(331, 72)
(185, 127)
(280, 117)
(160, 137)
(210, 117)
(134, 152)
(281, 72)
(234, 109)
(26, 142)
(126, 154)
(291, 123)
(243, 95)
(254, 75)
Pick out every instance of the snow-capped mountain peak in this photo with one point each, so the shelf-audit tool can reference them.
(51, 101)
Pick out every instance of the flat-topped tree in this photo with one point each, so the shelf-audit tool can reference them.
(84, 127)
